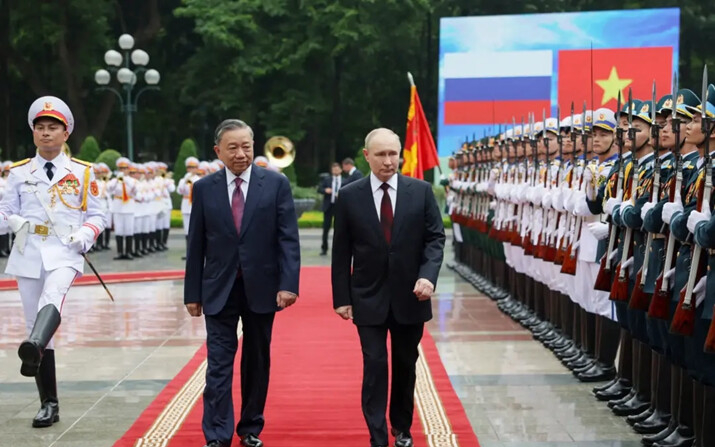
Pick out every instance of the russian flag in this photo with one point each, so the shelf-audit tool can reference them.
(489, 88)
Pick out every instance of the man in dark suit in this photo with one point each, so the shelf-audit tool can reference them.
(388, 246)
(243, 262)
(350, 171)
(329, 187)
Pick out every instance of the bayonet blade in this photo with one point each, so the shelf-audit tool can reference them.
(618, 109)
(543, 118)
(630, 108)
(675, 93)
(652, 106)
(705, 93)
(572, 114)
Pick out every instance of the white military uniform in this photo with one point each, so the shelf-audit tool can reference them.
(42, 261)
(185, 189)
(122, 189)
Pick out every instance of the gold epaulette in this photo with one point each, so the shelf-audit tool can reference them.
(20, 163)
(82, 162)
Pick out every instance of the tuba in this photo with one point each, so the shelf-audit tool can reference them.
(279, 151)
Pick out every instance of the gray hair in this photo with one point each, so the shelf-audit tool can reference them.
(230, 124)
(381, 130)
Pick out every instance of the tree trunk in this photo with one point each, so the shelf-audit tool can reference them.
(6, 140)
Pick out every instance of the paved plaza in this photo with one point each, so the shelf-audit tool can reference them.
(114, 358)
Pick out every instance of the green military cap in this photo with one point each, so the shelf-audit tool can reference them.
(643, 111)
(664, 105)
(687, 102)
(710, 100)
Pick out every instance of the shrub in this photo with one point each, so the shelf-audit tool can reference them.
(187, 149)
(109, 156)
(89, 151)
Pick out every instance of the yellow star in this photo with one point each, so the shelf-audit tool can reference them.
(409, 165)
(612, 86)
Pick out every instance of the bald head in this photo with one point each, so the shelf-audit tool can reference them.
(382, 152)
(381, 136)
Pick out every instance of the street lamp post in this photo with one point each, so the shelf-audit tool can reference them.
(127, 77)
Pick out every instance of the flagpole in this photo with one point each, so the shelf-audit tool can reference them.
(414, 130)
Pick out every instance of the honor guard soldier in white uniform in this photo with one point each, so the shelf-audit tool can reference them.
(5, 238)
(122, 189)
(185, 188)
(167, 186)
(51, 205)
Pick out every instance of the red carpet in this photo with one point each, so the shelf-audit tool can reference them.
(314, 393)
(89, 279)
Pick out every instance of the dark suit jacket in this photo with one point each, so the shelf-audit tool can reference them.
(267, 252)
(356, 175)
(373, 276)
(327, 182)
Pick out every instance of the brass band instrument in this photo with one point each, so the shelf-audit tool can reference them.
(279, 151)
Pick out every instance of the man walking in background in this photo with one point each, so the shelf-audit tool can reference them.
(386, 259)
(329, 187)
(350, 171)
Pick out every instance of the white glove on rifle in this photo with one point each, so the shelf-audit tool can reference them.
(695, 218)
(646, 207)
(628, 263)
(699, 290)
(670, 209)
(612, 203)
(599, 230)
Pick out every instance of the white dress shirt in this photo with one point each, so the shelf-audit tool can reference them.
(337, 182)
(231, 181)
(377, 192)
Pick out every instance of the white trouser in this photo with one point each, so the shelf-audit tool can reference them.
(599, 301)
(124, 224)
(166, 220)
(185, 218)
(50, 288)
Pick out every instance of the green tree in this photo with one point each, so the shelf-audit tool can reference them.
(89, 151)
(360, 162)
(187, 149)
(109, 156)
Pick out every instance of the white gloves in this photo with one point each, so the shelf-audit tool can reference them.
(493, 174)
(546, 200)
(672, 208)
(599, 230)
(582, 209)
(577, 198)
(699, 290)
(695, 218)
(16, 222)
(669, 274)
(612, 203)
(628, 263)
(557, 199)
(646, 207)
(81, 240)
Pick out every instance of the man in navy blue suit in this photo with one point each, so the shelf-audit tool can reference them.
(242, 262)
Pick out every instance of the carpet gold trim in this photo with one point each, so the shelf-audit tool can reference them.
(435, 422)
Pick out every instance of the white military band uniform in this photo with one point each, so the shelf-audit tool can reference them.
(44, 264)
(184, 188)
(122, 190)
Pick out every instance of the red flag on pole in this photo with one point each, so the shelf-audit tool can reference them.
(420, 153)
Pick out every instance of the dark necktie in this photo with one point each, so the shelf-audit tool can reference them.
(48, 169)
(386, 212)
(237, 204)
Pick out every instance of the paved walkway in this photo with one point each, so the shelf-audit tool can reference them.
(113, 359)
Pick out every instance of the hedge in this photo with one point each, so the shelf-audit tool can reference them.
(309, 219)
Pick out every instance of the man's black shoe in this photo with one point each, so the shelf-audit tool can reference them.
(402, 439)
(323, 252)
(217, 444)
(250, 440)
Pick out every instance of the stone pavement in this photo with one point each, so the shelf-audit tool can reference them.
(114, 358)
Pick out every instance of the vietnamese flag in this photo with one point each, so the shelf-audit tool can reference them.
(614, 70)
(420, 153)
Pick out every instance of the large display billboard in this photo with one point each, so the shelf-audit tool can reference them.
(493, 69)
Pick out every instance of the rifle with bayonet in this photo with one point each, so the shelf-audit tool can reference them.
(660, 302)
(619, 289)
(640, 300)
(570, 261)
(604, 279)
(564, 245)
(684, 318)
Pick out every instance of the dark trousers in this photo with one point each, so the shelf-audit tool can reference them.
(405, 340)
(222, 344)
(327, 223)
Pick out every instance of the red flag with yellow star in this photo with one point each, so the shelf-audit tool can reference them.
(614, 70)
(420, 153)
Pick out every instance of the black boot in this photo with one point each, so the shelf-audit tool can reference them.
(145, 244)
(46, 381)
(4, 244)
(107, 237)
(165, 238)
(31, 350)
(136, 249)
(120, 248)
